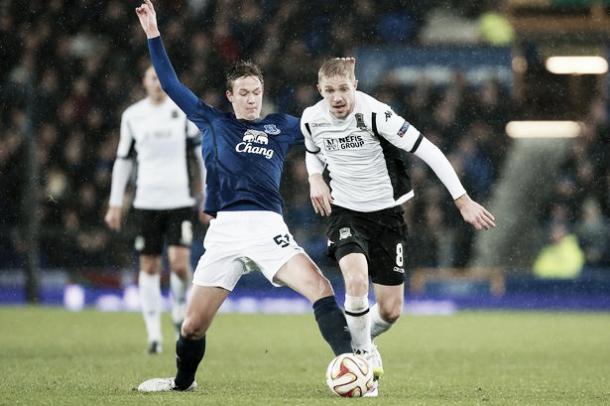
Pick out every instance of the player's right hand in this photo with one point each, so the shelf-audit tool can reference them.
(148, 19)
(113, 218)
(320, 196)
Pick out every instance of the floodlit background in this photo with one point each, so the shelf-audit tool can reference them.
(514, 92)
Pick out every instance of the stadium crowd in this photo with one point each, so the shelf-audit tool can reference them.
(86, 60)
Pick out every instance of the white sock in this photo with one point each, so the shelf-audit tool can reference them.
(378, 325)
(358, 322)
(151, 301)
(179, 287)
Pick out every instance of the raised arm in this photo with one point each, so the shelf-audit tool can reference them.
(178, 92)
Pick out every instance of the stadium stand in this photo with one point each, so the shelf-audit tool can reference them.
(86, 60)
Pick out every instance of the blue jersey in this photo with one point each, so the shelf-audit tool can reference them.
(243, 158)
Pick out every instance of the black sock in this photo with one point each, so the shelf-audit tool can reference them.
(333, 326)
(189, 354)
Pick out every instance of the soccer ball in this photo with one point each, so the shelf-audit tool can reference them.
(349, 375)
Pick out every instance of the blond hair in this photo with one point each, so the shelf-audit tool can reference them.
(343, 67)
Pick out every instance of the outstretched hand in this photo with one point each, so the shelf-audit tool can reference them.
(475, 214)
(148, 19)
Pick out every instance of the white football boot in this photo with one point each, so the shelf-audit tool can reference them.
(374, 358)
(162, 385)
(374, 391)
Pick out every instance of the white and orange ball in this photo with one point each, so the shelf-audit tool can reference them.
(349, 375)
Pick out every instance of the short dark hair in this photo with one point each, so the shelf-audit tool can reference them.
(243, 68)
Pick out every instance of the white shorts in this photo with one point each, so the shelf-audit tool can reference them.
(238, 242)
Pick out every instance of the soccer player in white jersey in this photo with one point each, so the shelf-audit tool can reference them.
(164, 144)
(362, 142)
(244, 155)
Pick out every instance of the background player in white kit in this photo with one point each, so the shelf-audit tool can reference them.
(363, 142)
(156, 134)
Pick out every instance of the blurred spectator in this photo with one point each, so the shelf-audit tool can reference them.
(97, 52)
(593, 233)
(494, 26)
(561, 258)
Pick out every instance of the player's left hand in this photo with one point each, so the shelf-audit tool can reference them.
(475, 214)
(148, 19)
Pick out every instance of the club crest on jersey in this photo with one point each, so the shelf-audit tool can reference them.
(272, 129)
(360, 121)
(251, 144)
(344, 233)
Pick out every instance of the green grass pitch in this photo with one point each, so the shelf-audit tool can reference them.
(52, 357)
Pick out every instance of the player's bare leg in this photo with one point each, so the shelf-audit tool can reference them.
(180, 280)
(385, 313)
(304, 277)
(203, 304)
(150, 298)
(354, 268)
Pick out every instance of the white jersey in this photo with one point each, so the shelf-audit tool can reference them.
(158, 136)
(364, 153)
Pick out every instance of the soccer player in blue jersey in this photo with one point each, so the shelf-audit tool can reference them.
(244, 156)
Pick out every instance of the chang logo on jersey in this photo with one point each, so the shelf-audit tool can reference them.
(349, 142)
(251, 144)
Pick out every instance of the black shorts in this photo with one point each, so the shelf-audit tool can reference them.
(380, 236)
(155, 227)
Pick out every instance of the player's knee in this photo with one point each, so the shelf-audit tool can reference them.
(317, 287)
(180, 268)
(193, 329)
(391, 311)
(356, 283)
(149, 266)
(320, 287)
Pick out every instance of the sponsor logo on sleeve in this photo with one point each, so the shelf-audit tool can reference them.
(388, 115)
(403, 130)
